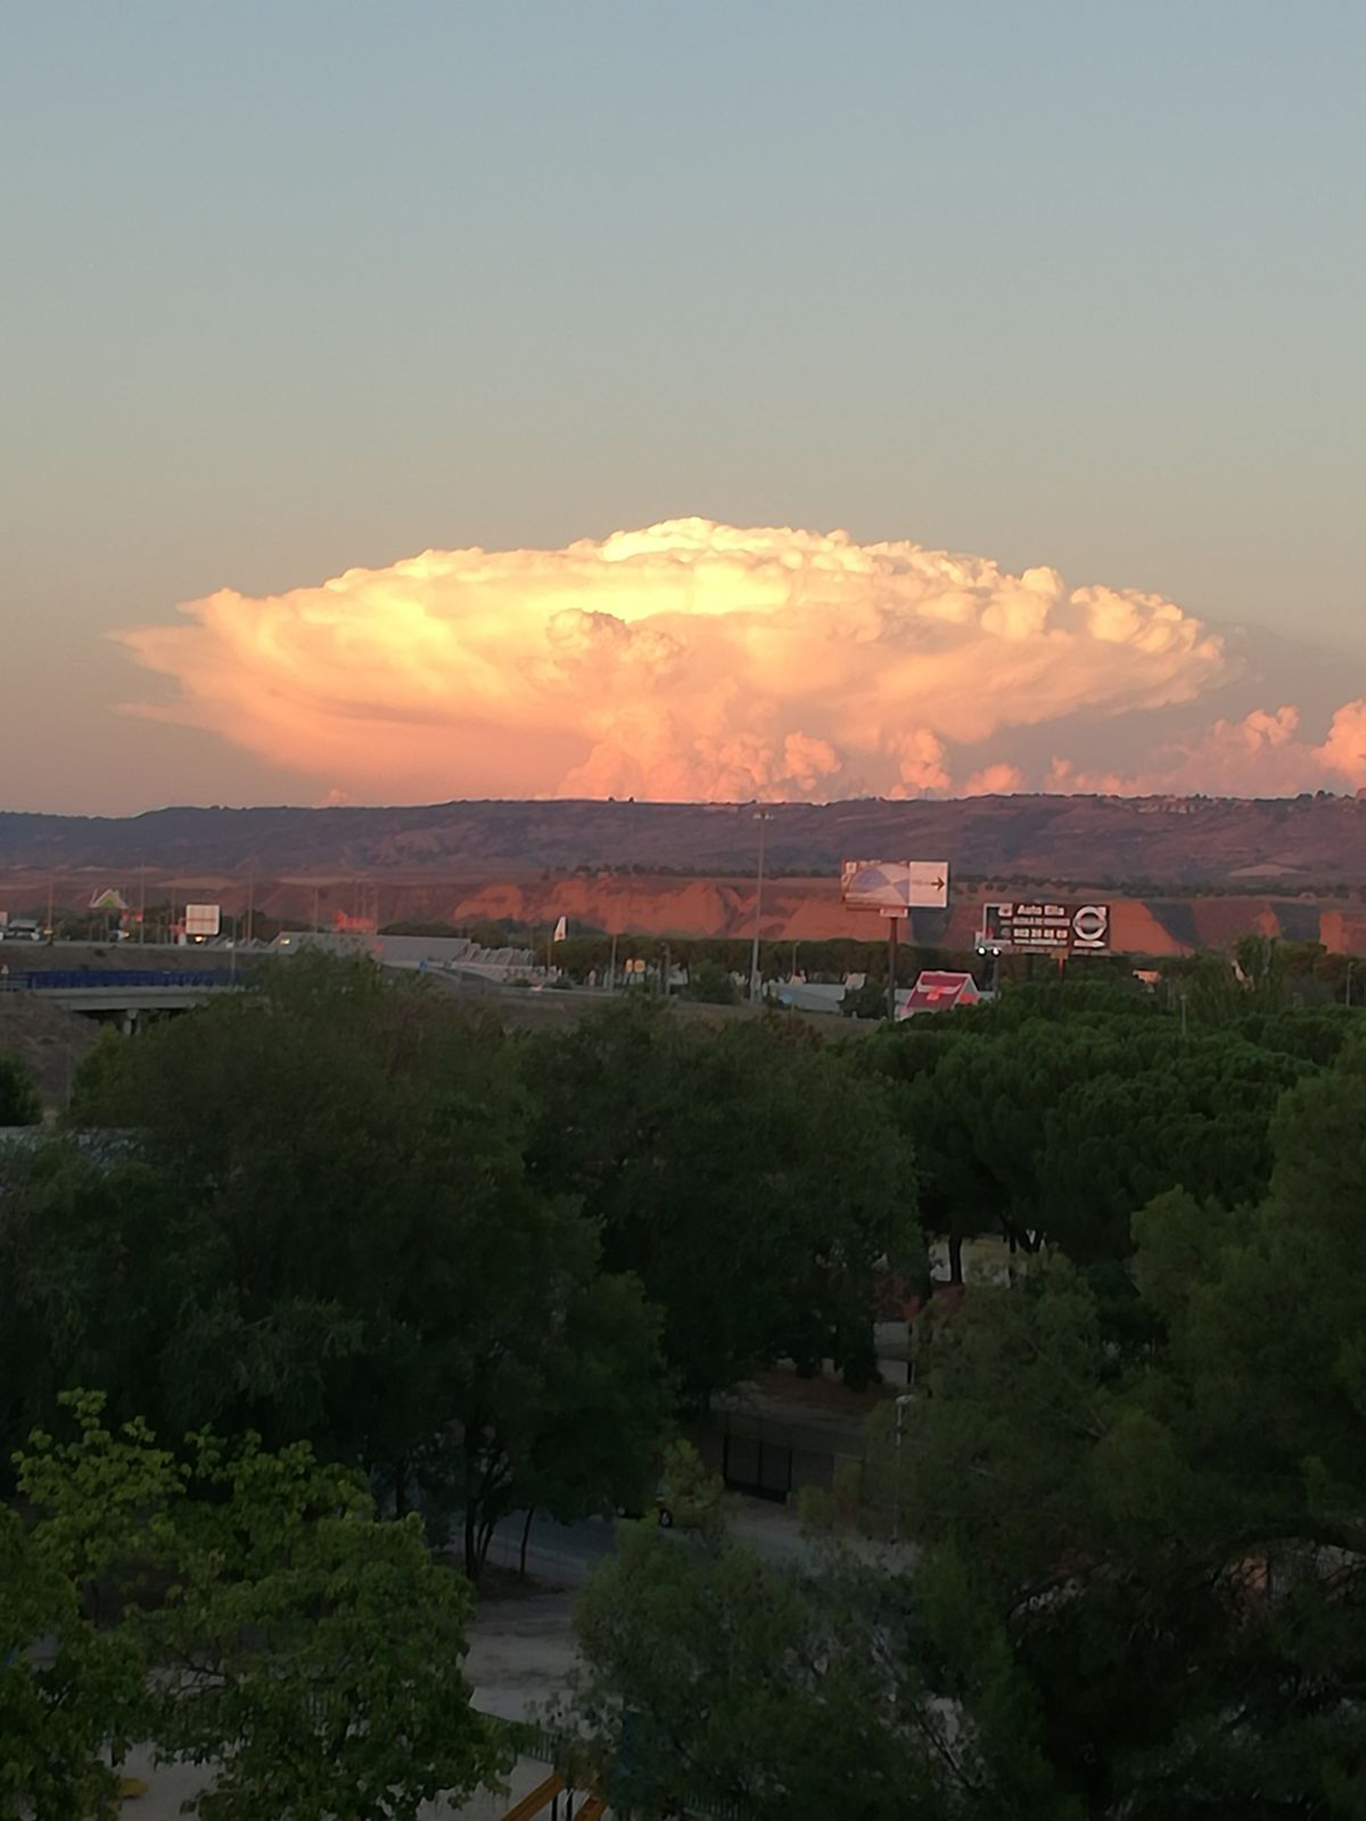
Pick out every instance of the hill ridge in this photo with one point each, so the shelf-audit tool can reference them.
(1176, 842)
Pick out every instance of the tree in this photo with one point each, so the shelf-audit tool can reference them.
(73, 1691)
(752, 1179)
(718, 1679)
(595, 1420)
(866, 1001)
(20, 1103)
(100, 1079)
(316, 1652)
(711, 984)
(306, 1653)
(958, 1197)
(83, 1297)
(546, 1389)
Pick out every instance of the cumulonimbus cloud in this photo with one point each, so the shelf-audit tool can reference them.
(687, 661)
(1263, 754)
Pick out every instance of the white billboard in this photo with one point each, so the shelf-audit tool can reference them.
(203, 919)
(891, 885)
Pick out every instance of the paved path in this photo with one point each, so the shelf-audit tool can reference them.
(564, 1555)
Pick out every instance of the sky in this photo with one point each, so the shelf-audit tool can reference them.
(747, 399)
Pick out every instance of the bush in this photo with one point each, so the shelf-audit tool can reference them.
(19, 1101)
(711, 984)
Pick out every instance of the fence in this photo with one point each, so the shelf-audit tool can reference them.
(773, 1459)
(558, 1750)
(69, 980)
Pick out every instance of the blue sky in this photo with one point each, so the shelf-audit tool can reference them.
(297, 287)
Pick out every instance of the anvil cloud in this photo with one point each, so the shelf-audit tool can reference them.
(698, 661)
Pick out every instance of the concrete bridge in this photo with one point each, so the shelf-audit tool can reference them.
(123, 994)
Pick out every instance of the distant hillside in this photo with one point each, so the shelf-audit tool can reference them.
(1177, 843)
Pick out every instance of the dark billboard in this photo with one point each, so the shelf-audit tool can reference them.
(1071, 929)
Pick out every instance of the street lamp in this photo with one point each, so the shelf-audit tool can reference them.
(907, 1397)
(761, 816)
(994, 971)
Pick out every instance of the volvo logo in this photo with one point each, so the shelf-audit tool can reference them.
(1091, 925)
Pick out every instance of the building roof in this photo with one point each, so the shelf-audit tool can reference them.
(939, 992)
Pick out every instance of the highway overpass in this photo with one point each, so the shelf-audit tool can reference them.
(119, 994)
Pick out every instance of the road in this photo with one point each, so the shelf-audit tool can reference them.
(563, 1555)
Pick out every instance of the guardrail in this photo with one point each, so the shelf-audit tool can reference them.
(132, 979)
(559, 1750)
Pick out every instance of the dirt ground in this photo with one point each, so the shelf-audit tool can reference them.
(47, 1040)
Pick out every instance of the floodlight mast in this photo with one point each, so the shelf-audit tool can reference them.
(761, 816)
(892, 921)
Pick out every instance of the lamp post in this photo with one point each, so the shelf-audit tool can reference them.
(907, 1397)
(992, 955)
(761, 816)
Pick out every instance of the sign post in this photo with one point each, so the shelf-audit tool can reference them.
(894, 888)
(894, 920)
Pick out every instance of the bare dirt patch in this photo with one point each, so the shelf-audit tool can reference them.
(47, 1040)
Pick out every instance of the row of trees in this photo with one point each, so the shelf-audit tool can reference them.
(1050, 1116)
(344, 1210)
(1136, 1586)
(1268, 974)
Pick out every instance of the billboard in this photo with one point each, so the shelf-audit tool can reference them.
(892, 885)
(202, 920)
(1071, 929)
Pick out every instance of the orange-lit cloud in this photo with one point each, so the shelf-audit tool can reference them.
(997, 780)
(690, 660)
(1261, 755)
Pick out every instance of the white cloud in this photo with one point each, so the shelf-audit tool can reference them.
(1260, 755)
(689, 660)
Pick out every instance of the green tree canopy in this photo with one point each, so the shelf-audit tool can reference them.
(1053, 1116)
(754, 1181)
(253, 1618)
